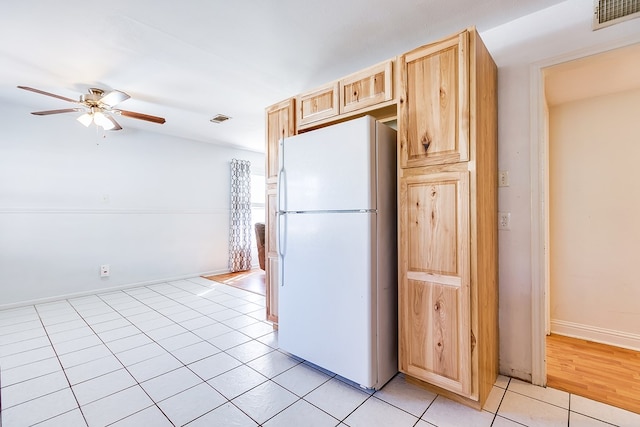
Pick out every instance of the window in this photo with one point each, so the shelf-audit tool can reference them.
(257, 198)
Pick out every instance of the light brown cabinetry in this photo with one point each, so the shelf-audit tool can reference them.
(434, 104)
(366, 88)
(271, 264)
(369, 91)
(280, 123)
(318, 104)
(434, 239)
(448, 218)
(446, 108)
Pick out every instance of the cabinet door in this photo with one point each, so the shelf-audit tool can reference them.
(318, 104)
(271, 264)
(367, 87)
(280, 123)
(434, 295)
(434, 104)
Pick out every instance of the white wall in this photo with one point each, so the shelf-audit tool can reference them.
(594, 145)
(560, 31)
(153, 207)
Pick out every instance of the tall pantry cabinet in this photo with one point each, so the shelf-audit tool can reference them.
(280, 123)
(447, 288)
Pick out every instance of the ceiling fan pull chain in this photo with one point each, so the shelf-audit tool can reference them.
(101, 133)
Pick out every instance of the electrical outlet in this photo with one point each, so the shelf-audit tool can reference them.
(503, 178)
(104, 270)
(504, 221)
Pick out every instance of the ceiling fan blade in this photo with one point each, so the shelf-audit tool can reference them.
(140, 116)
(114, 97)
(47, 112)
(41, 92)
(116, 126)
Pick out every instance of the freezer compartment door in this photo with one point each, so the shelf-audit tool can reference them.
(332, 168)
(327, 293)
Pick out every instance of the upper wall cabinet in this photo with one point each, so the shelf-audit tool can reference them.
(280, 124)
(367, 87)
(434, 103)
(318, 104)
(370, 91)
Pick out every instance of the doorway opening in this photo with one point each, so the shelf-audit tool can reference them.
(589, 236)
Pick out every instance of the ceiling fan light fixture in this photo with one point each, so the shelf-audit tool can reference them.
(85, 119)
(101, 120)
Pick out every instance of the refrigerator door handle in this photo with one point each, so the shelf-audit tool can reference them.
(281, 244)
(281, 215)
(280, 191)
(282, 176)
(282, 230)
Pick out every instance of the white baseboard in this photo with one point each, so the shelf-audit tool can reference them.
(516, 373)
(596, 334)
(109, 289)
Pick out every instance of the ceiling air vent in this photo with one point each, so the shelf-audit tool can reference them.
(609, 12)
(219, 118)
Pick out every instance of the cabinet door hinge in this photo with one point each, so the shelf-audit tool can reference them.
(473, 341)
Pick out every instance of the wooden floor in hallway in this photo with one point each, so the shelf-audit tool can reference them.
(596, 371)
(250, 280)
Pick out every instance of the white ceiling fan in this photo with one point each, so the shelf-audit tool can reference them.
(98, 108)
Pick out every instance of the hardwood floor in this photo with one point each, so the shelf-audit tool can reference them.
(250, 280)
(596, 371)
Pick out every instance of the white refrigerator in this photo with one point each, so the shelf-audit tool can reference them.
(336, 238)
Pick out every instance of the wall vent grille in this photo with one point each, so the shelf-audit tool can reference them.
(219, 118)
(609, 12)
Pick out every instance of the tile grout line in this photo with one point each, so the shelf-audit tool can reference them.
(426, 409)
(165, 294)
(534, 398)
(154, 341)
(183, 365)
(115, 354)
(137, 383)
(64, 371)
(501, 400)
(45, 336)
(244, 363)
(229, 401)
(569, 412)
(146, 304)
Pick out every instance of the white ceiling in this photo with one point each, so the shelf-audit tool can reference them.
(189, 60)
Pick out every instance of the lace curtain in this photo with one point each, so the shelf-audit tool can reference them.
(240, 227)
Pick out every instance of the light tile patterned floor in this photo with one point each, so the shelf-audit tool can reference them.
(197, 353)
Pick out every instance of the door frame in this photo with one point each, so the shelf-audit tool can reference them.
(539, 163)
